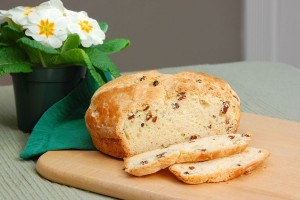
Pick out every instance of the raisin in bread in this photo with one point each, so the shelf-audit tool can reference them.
(145, 111)
(193, 151)
(221, 169)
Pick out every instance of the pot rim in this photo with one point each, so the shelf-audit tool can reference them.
(52, 74)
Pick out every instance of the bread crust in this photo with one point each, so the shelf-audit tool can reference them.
(203, 156)
(112, 104)
(153, 166)
(220, 175)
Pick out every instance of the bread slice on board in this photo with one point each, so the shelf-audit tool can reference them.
(221, 169)
(207, 148)
(150, 162)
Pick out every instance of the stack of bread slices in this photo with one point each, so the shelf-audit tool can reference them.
(210, 159)
(186, 122)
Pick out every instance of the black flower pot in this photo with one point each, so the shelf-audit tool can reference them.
(35, 92)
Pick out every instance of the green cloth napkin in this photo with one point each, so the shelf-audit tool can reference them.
(62, 126)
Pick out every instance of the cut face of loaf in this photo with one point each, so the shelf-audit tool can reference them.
(194, 151)
(221, 169)
(146, 111)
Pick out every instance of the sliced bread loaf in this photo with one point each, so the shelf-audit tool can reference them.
(149, 110)
(221, 169)
(193, 151)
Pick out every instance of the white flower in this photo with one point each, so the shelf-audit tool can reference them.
(47, 26)
(20, 14)
(88, 29)
(4, 14)
(58, 4)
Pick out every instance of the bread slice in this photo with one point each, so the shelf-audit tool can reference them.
(221, 169)
(193, 151)
(148, 110)
(150, 162)
(212, 147)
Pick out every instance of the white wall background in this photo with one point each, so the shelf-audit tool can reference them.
(272, 31)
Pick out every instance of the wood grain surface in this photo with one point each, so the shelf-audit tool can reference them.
(277, 178)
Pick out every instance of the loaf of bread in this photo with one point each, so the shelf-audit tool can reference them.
(221, 169)
(202, 149)
(149, 110)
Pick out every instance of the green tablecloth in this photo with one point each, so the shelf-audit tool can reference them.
(265, 88)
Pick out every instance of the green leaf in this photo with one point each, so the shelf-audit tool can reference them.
(13, 60)
(10, 34)
(102, 74)
(37, 52)
(3, 44)
(101, 61)
(113, 45)
(36, 45)
(74, 56)
(103, 26)
(79, 57)
(72, 42)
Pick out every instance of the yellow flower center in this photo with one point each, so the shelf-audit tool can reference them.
(28, 11)
(85, 26)
(46, 28)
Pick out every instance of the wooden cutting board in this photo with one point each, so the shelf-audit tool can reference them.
(277, 178)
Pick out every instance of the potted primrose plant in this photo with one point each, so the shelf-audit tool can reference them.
(48, 50)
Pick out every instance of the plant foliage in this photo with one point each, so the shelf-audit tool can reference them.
(19, 53)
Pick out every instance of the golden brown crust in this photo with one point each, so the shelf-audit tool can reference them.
(103, 127)
(112, 147)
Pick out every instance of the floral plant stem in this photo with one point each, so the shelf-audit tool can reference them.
(42, 60)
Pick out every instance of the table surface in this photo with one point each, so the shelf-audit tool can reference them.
(265, 88)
